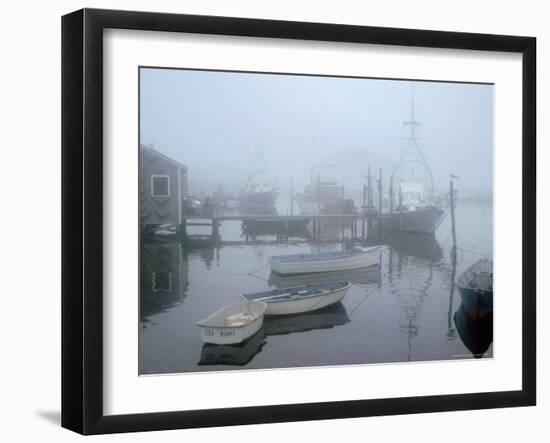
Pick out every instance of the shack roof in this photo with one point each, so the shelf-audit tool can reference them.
(153, 151)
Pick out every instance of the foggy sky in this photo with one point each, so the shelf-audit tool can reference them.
(213, 121)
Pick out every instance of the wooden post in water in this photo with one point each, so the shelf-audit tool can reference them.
(391, 197)
(343, 227)
(452, 203)
(215, 229)
(318, 194)
(400, 209)
(364, 207)
(319, 228)
(182, 231)
(369, 203)
(380, 191)
(450, 330)
(291, 198)
(380, 188)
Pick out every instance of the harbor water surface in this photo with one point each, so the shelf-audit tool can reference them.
(406, 309)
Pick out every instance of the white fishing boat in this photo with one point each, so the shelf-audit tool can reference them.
(325, 261)
(234, 323)
(418, 210)
(300, 299)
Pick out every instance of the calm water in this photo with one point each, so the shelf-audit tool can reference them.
(405, 310)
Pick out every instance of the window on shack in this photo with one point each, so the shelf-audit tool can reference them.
(160, 186)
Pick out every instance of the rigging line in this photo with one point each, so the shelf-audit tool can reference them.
(446, 240)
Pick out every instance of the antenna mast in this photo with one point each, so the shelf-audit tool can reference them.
(412, 153)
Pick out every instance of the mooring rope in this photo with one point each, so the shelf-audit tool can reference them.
(253, 273)
(474, 252)
(258, 269)
(362, 300)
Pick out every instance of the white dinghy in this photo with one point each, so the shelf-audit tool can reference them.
(325, 261)
(300, 299)
(234, 323)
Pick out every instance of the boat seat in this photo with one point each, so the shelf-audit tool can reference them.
(239, 319)
(482, 280)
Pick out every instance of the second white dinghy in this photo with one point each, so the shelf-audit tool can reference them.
(325, 261)
(300, 299)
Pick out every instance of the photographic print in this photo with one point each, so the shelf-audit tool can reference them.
(305, 220)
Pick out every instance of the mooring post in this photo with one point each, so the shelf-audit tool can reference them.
(315, 222)
(215, 229)
(452, 203)
(291, 197)
(400, 209)
(319, 228)
(391, 197)
(181, 230)
(369, 203)
(364, 211)
(380, 191)
(319, 194)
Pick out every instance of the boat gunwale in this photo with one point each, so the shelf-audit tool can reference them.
(202, 323)
(273, 298)
(299, 258)
(461, 284)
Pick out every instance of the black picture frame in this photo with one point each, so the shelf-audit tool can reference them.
(82, 215)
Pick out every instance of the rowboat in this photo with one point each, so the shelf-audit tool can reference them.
(477, 279)
(475, 285)
(360, 276)
(325, 261)
(234, 323)
(300, 299)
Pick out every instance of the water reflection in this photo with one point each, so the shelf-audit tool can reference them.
(242, 353)
(410, 274)
(237, 355)
(451, 332)
(323, 319)
(279, 229)
(164, 277)
(474, 322)
(405, 309)
(332, 229)
(207, 255)
(414, 245)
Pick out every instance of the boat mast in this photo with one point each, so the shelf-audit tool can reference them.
(412, 153)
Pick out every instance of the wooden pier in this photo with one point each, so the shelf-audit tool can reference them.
(282, 225)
